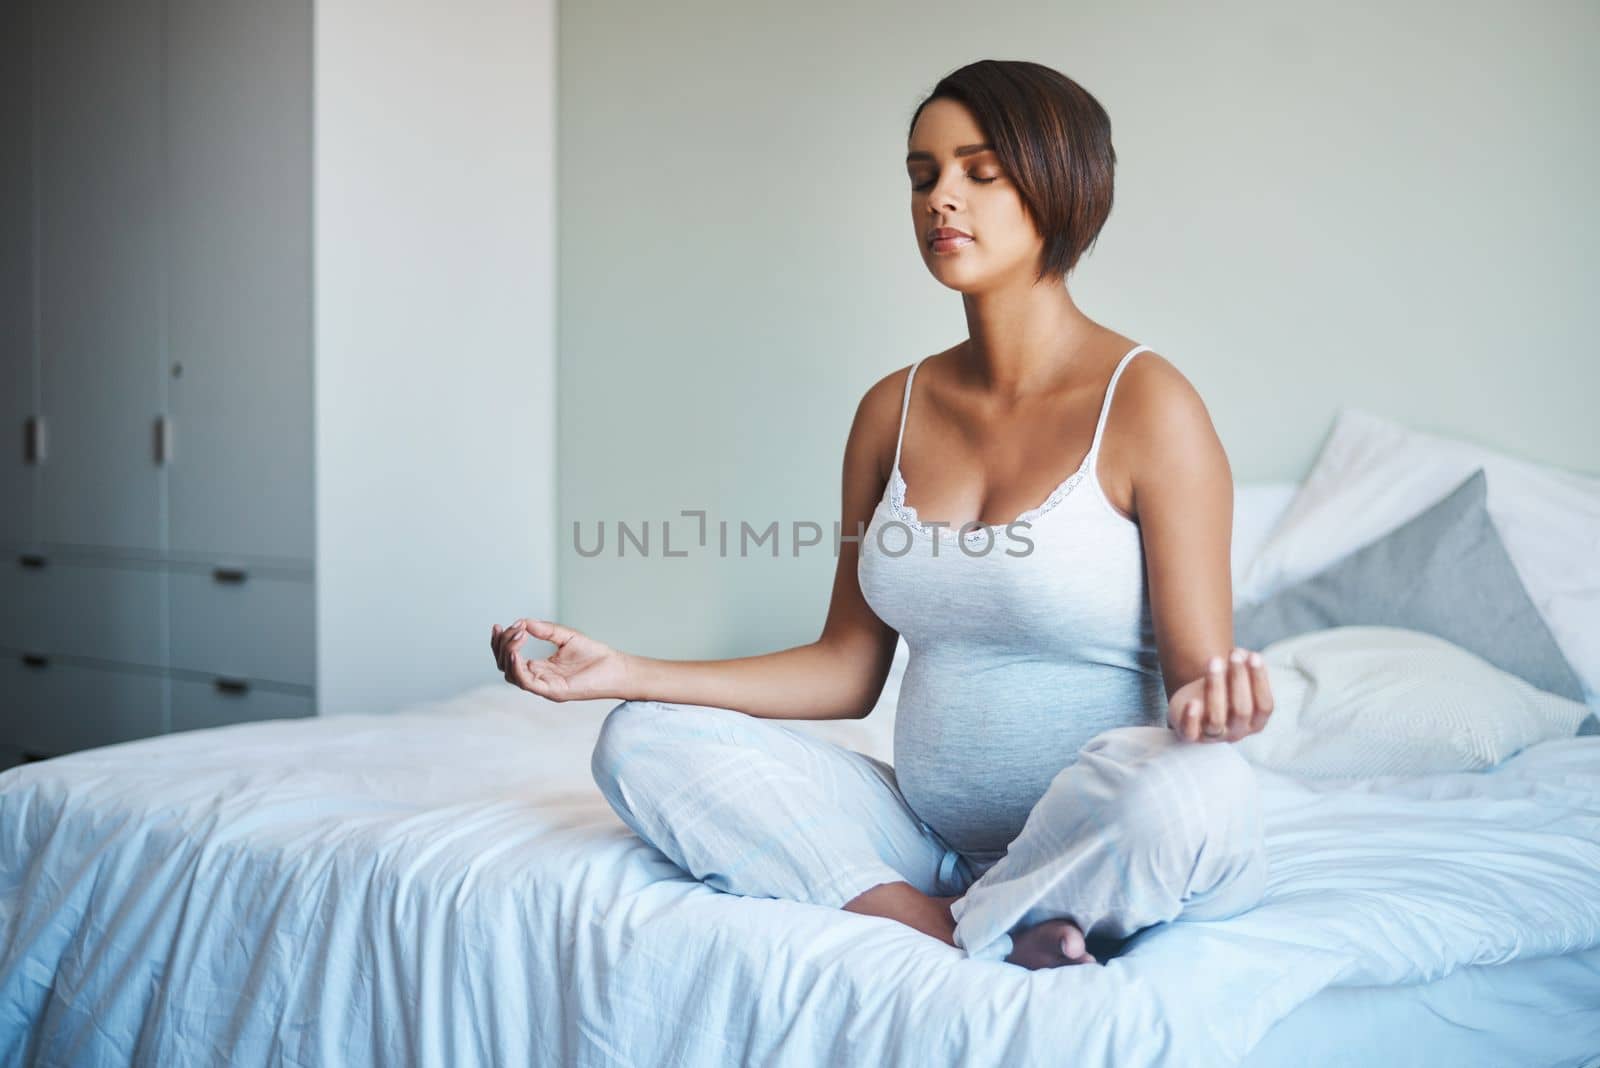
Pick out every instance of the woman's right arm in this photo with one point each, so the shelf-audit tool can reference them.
(838, 676)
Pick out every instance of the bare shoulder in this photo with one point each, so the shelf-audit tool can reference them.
(877, 419)
(1159, 429)
(887, 391)
(1153, 391)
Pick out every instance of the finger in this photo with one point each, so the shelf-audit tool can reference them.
(514, 672)
(1216, 714)
(518, 673)
(498, 642)
(550, 631)
(1262, 690)
(1241, 704)
(1192, 711)
(510, 642)
(494, 641)
(531, 678)
(500, 647)
(523, 629)
(1072, 944)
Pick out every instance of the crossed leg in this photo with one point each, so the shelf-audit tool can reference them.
(1142, 828)
(754, 807)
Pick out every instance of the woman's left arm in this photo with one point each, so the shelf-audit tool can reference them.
(1183, 497)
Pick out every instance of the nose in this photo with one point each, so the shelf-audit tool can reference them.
(942, 198)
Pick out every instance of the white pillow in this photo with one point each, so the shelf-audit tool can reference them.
(1373, 474)
(1257, 508)
(1358, 702)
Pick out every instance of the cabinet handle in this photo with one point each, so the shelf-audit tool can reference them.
(35, 660)
(229, 574)
(164, 443)
(33, 560)
(33, 440)
(226, 685)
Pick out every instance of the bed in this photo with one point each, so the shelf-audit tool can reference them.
(446, 885)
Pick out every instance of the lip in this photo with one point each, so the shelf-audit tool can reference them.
(946, 231)
(949, 244)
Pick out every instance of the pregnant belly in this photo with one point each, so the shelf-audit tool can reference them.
(973, 753)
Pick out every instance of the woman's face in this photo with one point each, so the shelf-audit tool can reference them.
(956, 185)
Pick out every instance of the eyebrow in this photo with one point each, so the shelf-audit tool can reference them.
(964, 150)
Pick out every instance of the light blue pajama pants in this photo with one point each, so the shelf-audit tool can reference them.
(1142, 828)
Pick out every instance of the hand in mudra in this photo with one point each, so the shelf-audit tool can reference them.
(581, 667)
(1225, 704)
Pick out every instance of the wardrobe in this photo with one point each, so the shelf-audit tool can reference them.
(277, 359)
(156, 494)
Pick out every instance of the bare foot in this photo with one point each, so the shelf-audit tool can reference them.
(1049, 945)
(1044, 945)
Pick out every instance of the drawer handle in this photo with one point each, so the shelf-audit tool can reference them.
(33, 440)
(226, 685)
(164, 447)
(35, 660)
(33, 560)
(229, 574)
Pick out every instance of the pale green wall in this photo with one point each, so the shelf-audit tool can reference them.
(1391, 207)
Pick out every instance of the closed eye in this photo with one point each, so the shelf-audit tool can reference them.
(929, 183)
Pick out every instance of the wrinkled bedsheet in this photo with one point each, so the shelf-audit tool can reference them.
(447, 886)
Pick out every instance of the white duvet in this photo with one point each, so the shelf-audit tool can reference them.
(448, 887)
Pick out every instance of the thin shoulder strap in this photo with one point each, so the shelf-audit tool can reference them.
(905, 403)
(1105, 406)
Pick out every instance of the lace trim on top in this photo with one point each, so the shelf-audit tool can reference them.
(978, 532)
(895, 494)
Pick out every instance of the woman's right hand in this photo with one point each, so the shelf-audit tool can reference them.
(581, 667)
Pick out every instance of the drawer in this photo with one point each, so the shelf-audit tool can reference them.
(13, 616)
(82, 608)
(197, 704)
(52, 706)
(242, 624)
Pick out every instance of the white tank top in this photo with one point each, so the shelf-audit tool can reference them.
(1025, 639)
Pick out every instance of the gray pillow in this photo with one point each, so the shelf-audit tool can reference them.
(1446, 573)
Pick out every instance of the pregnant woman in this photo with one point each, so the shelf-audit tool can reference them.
(1062, 771)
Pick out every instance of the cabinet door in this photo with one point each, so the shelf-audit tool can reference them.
(17, 381)
(54, 706)
(16, 574)
(238, 106)
(255, 627)
(92, 608)
(100, 270)
(197, 705)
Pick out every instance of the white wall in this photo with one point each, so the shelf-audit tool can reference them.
(435, 358)
(1317, 204)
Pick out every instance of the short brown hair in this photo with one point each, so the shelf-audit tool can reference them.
(1054, 140)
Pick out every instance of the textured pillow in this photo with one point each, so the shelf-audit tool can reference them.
(1446, 573)
(1357, 702)
(1373, 474)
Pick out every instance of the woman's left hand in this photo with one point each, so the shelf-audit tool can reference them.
(1230, 701)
